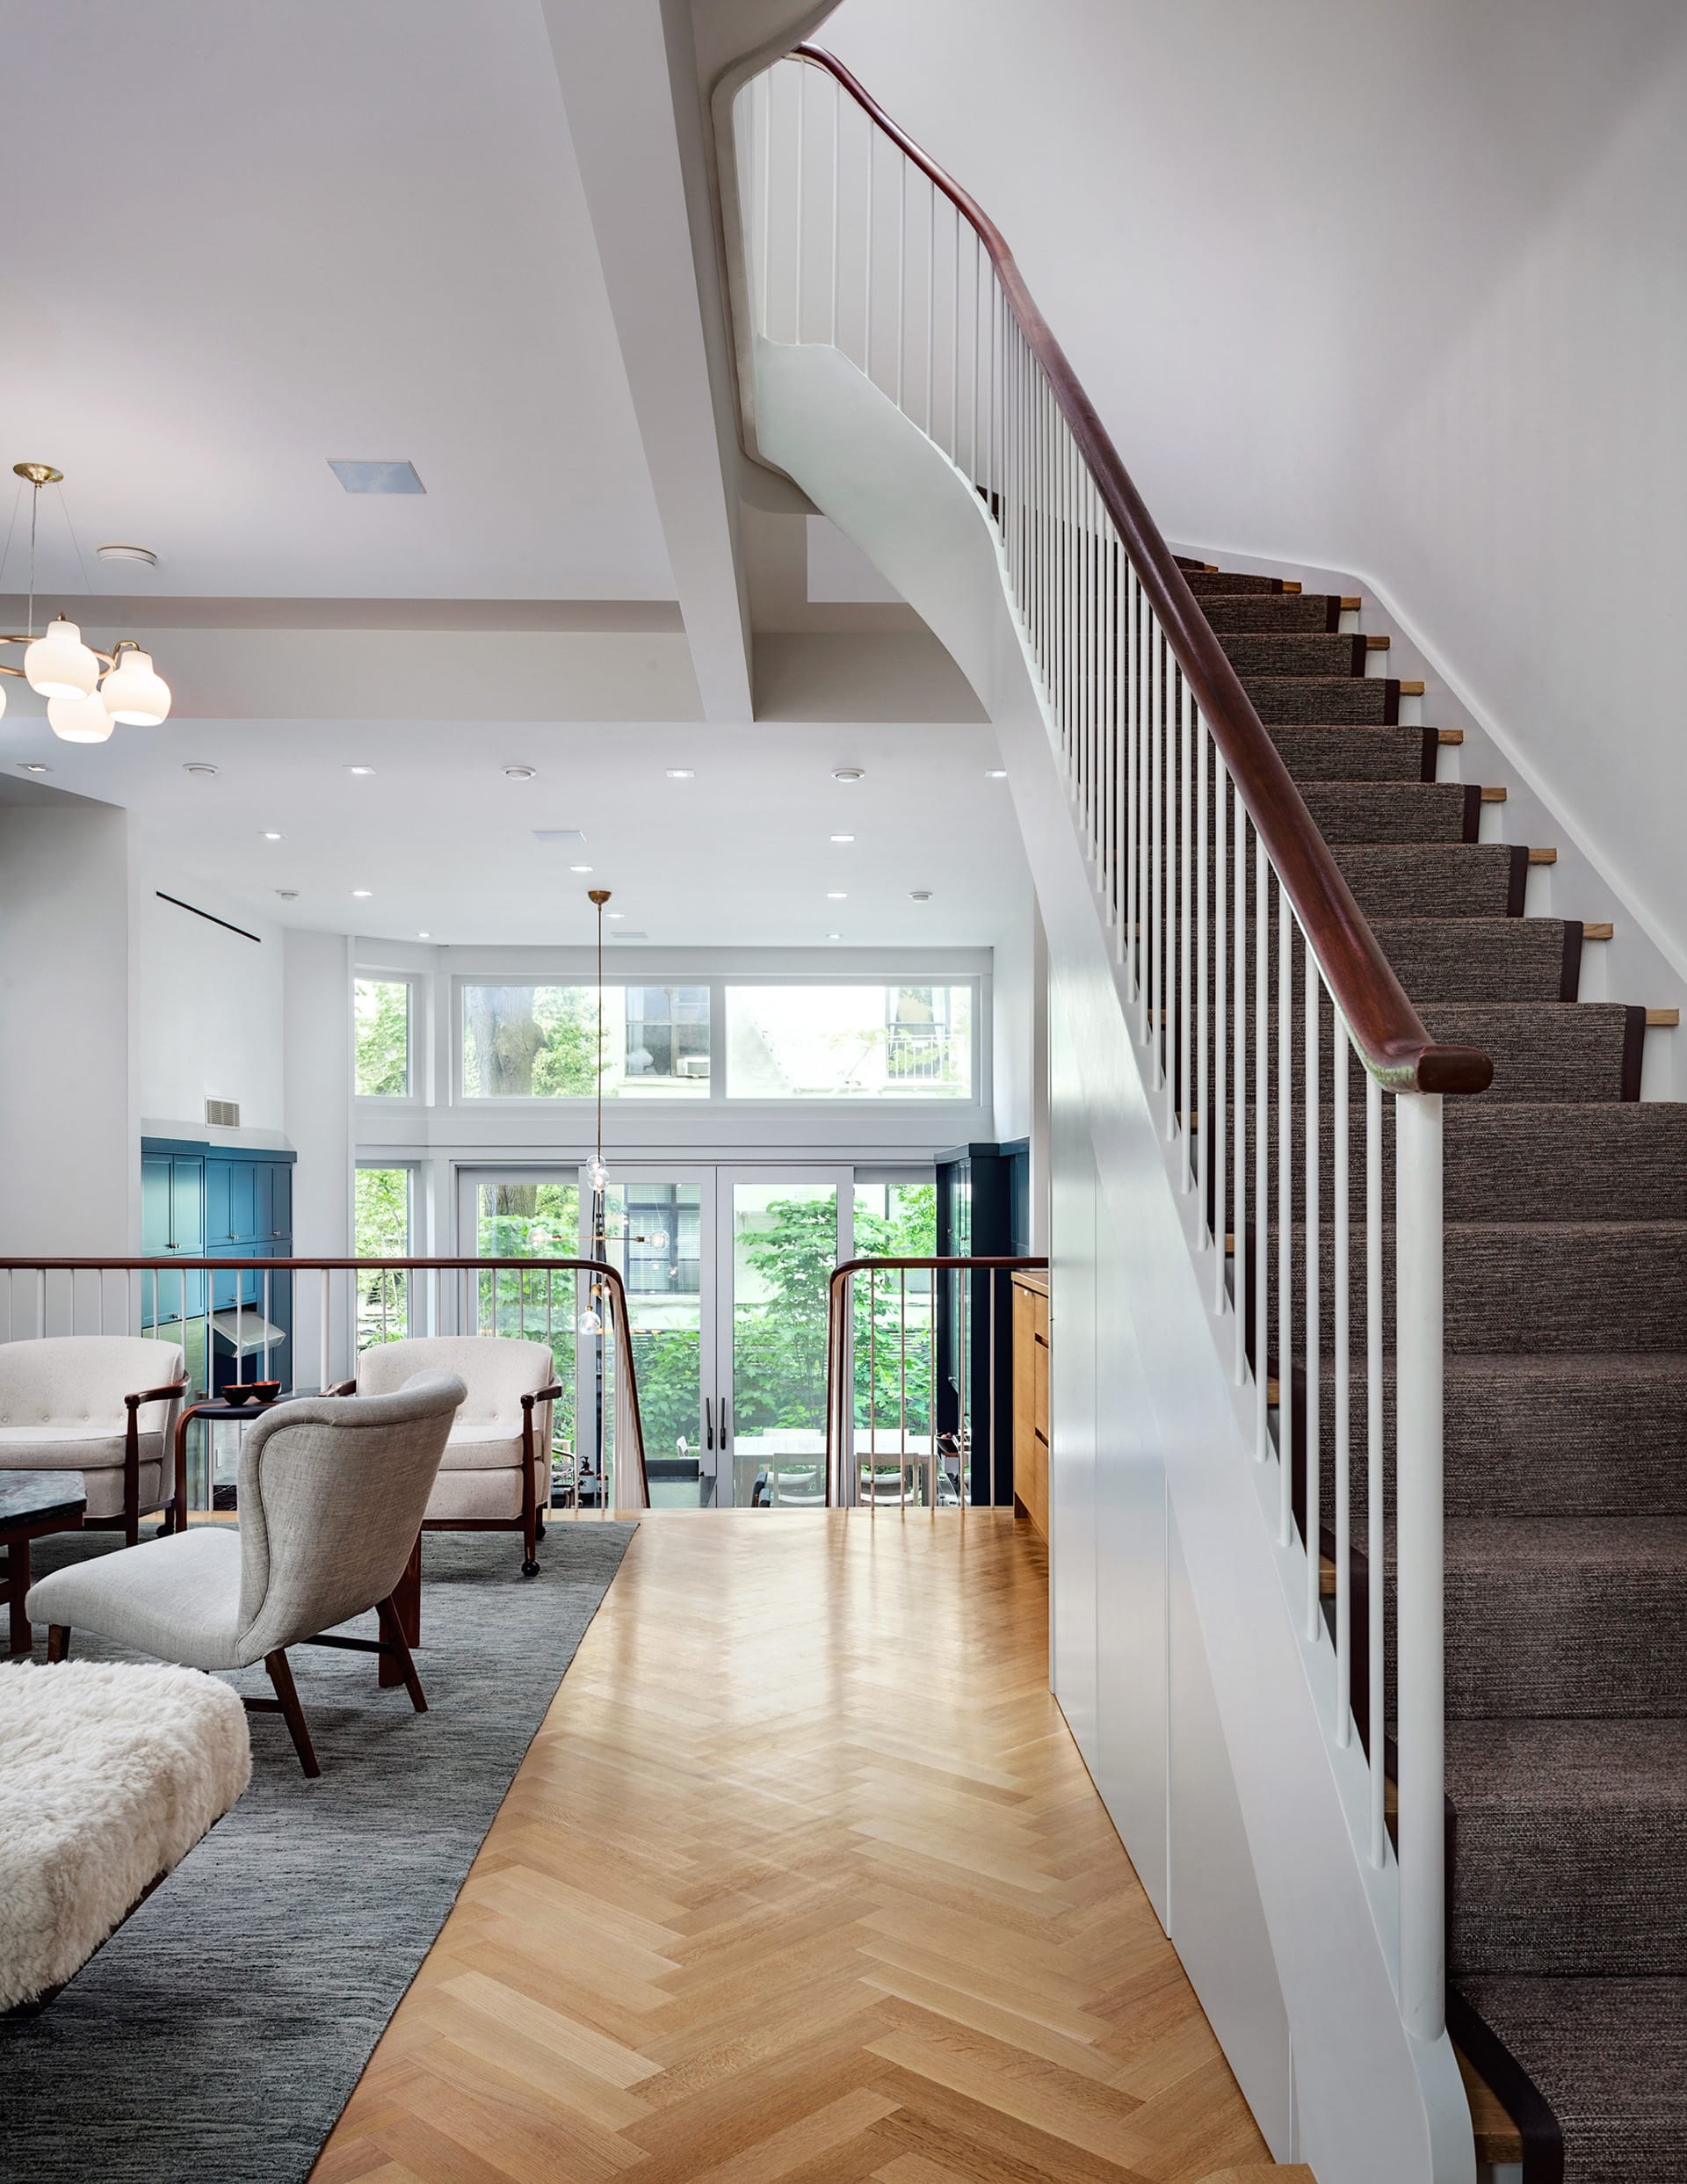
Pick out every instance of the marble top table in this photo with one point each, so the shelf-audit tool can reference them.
(32, 1502)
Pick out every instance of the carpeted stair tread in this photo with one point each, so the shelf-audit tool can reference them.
(1610, 2057)
(1542, 1051)
(1527, 1287)
(1275, 613)
(1586, 1435)
(1253, 652)
(1483, 959)
(1549, 1618)
(1348, 812)
(1320, 752)
(1435, 880)
(1338, 700)
(1228, 584)
(1569, 1834)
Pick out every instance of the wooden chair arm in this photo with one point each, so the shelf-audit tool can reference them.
(155, 1394)
(342, 1387)
(553, 1394)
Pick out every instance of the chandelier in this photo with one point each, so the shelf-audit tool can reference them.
(88, 691)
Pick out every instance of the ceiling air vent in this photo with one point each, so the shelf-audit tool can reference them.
(223, 1114)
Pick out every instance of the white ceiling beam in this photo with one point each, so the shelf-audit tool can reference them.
(619, 87)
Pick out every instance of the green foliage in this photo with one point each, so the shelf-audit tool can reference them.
(383, 1032)
(531, 1041)
(382, 1230)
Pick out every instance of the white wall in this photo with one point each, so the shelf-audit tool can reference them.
(1395, 289)
(317, 1089)
(68, 1155)
(207, 1020)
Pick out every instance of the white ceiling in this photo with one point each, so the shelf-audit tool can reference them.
(244, 239)
(279, 235)
(739, 856)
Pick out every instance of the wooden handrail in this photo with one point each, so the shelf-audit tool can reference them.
(1386, 1027)
(181, 1262)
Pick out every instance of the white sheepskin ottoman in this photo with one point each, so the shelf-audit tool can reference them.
(109, 1774)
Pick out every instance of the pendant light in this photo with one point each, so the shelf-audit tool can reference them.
(87, 691)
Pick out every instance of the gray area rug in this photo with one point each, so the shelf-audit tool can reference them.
(219, 2032)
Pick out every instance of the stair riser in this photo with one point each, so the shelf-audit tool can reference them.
(1615, 1883)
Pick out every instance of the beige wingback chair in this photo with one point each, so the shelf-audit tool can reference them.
(497, 1472)
(105, 1406)
(331, 1498)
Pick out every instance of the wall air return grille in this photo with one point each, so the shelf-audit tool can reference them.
(223, 1114)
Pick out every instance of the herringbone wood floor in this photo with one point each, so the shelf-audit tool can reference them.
(802, 1879)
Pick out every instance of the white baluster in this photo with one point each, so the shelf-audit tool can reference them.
(1312, 1454)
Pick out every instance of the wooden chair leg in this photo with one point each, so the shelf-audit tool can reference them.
(286, 1698)
(392, 1629)
(21, 1637)
(58, 1642)
(529, 1523)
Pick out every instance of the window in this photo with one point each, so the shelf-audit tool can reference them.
(540, 1042)
(382, 1032)
(849, 1042)
(382, 1230)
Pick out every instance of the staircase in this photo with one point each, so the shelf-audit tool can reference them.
(1438, 1237)
(1566, 1425)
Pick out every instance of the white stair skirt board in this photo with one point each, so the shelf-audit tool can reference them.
(1145, 1415)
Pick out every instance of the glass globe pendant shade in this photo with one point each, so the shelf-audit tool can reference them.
(597, 1174)
(79, 720)
(658, 1241)
(58, 664)
(589, 1324)
(2, 697)
(134, 694)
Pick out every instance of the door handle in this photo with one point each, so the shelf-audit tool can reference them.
(723, 1421)
(708, 1422)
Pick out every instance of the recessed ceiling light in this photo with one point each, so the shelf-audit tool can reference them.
(33, 765)
(919, 894)
(424, 936)
(142, 553)
(197, 765)
(995, 773)
(376, 477)
(848, 773)
(360, 769)
(836, 895)
(579, 867)
(559, 834)
(614, 913)
(362, 894)
(520, 772)
(843, 837)
(629, 935)
(834, 936)
(272, 838)
(682, 772)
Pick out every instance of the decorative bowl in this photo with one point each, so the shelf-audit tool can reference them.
(265, 1390)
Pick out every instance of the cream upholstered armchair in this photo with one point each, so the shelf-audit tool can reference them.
(105, 1406)
(497, 1472)
(331, 1496)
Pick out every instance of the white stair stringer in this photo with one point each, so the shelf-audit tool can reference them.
(1177, 1647)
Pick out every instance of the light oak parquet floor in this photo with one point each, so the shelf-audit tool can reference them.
(803, 1879)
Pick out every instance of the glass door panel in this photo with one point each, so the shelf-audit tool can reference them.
(531, 1214)
(655, 1234)
(786, 1235)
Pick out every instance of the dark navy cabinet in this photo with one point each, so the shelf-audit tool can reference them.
(983, 1211)
(218, 1202)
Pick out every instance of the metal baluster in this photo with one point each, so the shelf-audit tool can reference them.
(1156, 983)
(324, 1289)
(931, 300)
(1186, 740)
(1312, 1456)
(1285, 1217)
(901, 1387)
(1420, 1638)
(901, 234)
(1262, 1150)
(800, 74)
(1134, 788)
(837, 126)
(872, 1396)
(1213, 1119)
(1339, 1065)
(266, 1323)
(767, 203)
(1376, 1663)
(866, 256)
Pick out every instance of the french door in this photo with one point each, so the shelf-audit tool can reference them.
(727, 1271)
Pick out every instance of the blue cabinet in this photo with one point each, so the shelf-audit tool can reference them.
(217, 1202)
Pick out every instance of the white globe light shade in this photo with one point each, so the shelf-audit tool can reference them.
(80, 720)
(58, 664)
(134, 694)
(3, 698)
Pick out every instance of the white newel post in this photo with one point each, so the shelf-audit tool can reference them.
(1418, 1573)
